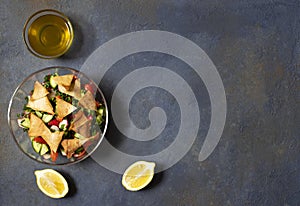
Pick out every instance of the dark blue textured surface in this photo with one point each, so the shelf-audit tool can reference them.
(255, 47)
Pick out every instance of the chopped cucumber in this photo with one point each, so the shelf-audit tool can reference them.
(44, 149)
(47, 118)
(99, 119)
(40, 148)
(39, 114)
(36, 146)
(101, 111)
(52, 82)
(26, 123)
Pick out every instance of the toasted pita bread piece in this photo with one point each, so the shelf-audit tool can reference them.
(78, 120)
(39, 91)
(64, 80)
(88, 101)
(70, 146)
(53, 139)
(63, 108)
(73, 90)
(43, 104)
(37, 127)
(81, 124)
(85, 129)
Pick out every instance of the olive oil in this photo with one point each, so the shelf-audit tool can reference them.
(50, 35)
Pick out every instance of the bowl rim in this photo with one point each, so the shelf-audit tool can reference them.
(77, 72)
(47, 11)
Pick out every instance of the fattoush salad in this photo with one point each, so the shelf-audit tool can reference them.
(61, 116)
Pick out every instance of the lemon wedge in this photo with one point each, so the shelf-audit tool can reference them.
(51, 183)
(138, 175)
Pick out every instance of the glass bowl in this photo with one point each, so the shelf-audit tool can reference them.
(48, 34)
(19, 99)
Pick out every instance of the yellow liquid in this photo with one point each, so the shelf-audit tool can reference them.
(50, 35)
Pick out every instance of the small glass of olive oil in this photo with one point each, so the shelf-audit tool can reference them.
(48, 34)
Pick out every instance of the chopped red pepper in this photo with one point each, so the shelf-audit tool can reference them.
(53, 156)
(39, 140)
(53, 122)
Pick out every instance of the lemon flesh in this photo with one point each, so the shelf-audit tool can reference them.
(51, 183)
(138, 175)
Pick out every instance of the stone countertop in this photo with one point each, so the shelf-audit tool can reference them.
(255, 48)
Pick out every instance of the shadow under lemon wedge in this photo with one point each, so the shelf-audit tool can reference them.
(138, 175)
(51, 183)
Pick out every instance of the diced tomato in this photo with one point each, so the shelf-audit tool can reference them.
(53, 122)
(89, 87)
(53, 156)
(98, 104)
(59, 97)
(39, 140)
